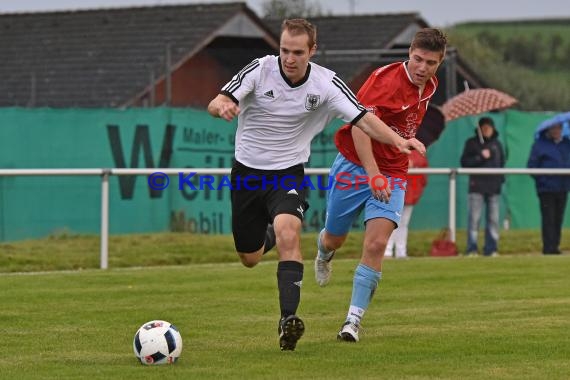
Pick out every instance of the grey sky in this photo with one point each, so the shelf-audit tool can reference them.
(435, 12)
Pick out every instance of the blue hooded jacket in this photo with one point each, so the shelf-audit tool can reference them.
(545, 153)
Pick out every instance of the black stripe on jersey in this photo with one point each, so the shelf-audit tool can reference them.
(235, 83)
(240, 73)
(360, 116)
(346, 91)
(231, 96)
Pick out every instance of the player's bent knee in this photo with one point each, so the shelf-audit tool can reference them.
(248, 263)
(249, 260)
(333, 242)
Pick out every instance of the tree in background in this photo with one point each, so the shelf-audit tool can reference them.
(556, 42)
(510, 65)
(537, 51)
(566, 55)
(523, 51)
(282, 9)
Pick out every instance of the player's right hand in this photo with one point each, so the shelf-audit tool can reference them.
(229, 110)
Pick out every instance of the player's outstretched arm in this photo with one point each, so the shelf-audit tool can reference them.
(224, 107)
(379, 131)
(363, 146)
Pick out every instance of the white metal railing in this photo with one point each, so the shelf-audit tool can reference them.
(106, 173)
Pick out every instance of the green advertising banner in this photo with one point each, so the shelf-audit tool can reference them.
(134, 138)
(33, 207)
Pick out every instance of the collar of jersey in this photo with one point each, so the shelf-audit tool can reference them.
(291, 84)
(405, 64)
(428, 91)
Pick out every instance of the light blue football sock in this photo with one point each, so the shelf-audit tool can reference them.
(364, 285)
(323, 254)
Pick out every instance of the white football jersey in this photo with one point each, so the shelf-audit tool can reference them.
(278, 119)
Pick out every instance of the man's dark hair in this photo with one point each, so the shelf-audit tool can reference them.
(431, 39)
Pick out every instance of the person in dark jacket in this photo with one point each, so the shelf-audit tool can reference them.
(484, 151)
(551, 150)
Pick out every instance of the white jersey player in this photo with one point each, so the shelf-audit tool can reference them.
(282, 103)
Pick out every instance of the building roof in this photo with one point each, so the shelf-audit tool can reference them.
(107, 57)
(364, 31)
(100, 57)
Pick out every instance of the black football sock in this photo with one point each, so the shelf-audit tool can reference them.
(270, 239)
(289, 279)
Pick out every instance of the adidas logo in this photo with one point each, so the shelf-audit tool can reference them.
(301, 211)
(293, 191)
(269, 94)
(298, 283)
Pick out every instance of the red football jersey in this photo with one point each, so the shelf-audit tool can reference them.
(392, 96)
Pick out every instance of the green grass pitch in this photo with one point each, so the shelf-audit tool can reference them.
(448, 318)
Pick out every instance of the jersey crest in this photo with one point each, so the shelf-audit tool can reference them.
(312, 102)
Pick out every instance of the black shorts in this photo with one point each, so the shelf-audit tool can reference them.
(260, 195)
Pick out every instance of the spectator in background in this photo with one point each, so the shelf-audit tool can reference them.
(414, 190)
(484, 151)
(551, 150)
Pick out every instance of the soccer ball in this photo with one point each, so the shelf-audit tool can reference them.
(157, 342)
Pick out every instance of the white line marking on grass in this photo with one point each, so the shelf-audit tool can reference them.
(133, 268)
(262, 263)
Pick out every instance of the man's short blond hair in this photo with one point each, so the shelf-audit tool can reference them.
(298, 26)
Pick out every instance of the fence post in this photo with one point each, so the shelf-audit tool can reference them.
(105, 219)
(452, 202)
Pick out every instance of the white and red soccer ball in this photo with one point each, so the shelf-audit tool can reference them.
(157, 342)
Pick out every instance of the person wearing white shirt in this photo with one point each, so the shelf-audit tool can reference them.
(282, 102)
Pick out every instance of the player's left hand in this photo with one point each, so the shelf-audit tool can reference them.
(380, 188)
(383, 195)
(412, 144)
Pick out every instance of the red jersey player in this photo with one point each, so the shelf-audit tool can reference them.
(398, 94)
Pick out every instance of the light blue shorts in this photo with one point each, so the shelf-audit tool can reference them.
(349, 194)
